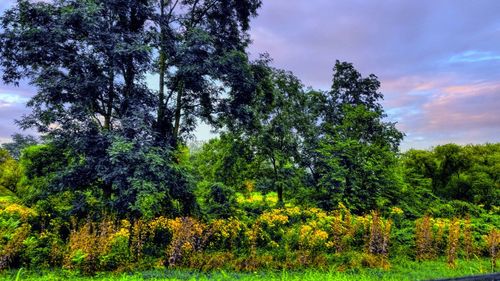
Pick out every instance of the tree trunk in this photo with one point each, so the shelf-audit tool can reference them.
(178, 108)
(109, 105)
(279, 188)
(161, 96)
(277, 183)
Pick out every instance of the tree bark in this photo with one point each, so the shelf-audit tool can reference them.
(161, 95)
(109, 105)
(178, 108)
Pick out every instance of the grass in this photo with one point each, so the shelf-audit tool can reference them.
(403, 270)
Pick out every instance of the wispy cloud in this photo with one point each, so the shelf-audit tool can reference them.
(474, 56)
(7, 99)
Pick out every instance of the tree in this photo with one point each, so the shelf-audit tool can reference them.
(228, 160)
(356, 147)
(19, 142)
(451, 161)
(219, 201)
(279, 117)
(10, 172)
(201, 54)
(89, 61)
(453, 172)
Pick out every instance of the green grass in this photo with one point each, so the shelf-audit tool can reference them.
(404, 270)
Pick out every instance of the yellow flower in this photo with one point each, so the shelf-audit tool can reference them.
(186, 247)
(249, 185)
(396, 211)
(274, 218)
(292, 211)
(21, 211)
(123, 232)
(274, 244)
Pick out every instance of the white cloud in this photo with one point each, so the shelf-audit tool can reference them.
(7, 100)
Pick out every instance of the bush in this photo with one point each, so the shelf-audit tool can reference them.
(220, 202)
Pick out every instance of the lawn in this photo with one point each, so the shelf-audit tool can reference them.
(404, 270)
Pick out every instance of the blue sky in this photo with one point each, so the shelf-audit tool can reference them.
(438, 61)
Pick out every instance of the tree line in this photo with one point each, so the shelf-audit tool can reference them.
(115, 143)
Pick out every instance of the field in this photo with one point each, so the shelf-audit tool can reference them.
(404, 270)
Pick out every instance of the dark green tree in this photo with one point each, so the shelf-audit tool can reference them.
(280, 115)
(89, 61)
(356, 146)
(201, 56)
(453, 172)
(219, 201)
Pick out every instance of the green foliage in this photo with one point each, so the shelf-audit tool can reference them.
(274, 136)
(228, 160)
(355, 160)
(19, 142)
(219, 201)
(451, 172)
(43, 250)
(118, 254)
(10, 173)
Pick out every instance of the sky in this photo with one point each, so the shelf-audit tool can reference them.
(438, 61)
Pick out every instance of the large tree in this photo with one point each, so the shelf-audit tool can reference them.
(90, 62)
(280, 112)
(202, 66)
(354, 148)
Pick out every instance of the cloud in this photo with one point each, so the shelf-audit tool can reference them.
(462, 113)
(12, 107)
(7, 100)
(8, 114)
(474, 56)
(469, 107)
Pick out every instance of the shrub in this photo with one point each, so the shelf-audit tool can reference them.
(342, 231)
(453, 236)
(469, 246)
(14, 247)
(424, 237)
(378, 244)
(14, 230)
(493, 241)
(220, 202)
(225, 234)
(117, 253)
(98, 246)
(45, 249)
(187, 234)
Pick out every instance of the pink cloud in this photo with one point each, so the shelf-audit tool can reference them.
(470, 107)
(444, 109)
